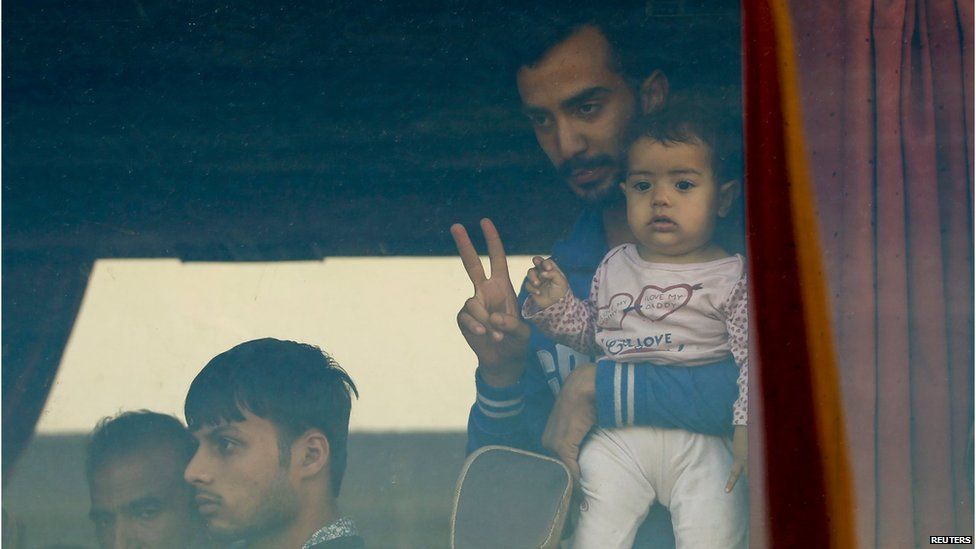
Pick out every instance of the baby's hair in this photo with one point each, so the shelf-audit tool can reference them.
(694, 120)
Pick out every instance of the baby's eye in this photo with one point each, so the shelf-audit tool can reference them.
(684, 185)
(642, 186)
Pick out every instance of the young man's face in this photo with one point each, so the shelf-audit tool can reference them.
(580, 107)
(674, 200)
(242, 489)
(139, 499)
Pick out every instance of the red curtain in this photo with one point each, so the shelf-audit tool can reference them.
(886, 91)
(802, 494)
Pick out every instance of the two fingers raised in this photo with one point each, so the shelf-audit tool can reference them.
(469, 255)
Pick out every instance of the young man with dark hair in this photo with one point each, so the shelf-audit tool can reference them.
(272, 419)
(134, 466)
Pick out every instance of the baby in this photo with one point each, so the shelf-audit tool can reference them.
(676, 302)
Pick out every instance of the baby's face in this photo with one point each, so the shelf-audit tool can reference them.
(673, 200)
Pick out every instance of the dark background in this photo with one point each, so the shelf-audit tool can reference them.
(252, 130)
(258, 131)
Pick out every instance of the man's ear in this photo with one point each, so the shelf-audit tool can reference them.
(653, 92)
(311, 452)
(727, 193)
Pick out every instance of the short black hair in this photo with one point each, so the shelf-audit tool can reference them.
(696, 118)
(293, 385)
(540, 28)
(696, 44)
(131, 432)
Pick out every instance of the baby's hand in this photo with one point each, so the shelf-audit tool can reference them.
(546, 282)
(740, 456)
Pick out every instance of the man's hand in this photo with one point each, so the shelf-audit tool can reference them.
(490, 320)
(546, 282)
(572, 417)
(740, 456)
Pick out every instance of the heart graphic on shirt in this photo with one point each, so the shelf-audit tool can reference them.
(655, 303)
(611, 316)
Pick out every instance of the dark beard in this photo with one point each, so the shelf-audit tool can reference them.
(607, 197)
(567, 168)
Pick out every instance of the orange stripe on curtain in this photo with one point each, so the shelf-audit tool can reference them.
(807, 481)
(813, 284)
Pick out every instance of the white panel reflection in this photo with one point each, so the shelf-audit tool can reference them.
(146, 327)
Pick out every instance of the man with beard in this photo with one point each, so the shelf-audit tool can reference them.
(580, 90)
(135, 475)
(580, 101)
(272, 419)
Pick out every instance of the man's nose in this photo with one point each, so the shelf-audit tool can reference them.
(570, 139)
(196, 471)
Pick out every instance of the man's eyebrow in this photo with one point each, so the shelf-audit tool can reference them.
(586, 95)
(583, 96)
(215, 432)
(220, 430)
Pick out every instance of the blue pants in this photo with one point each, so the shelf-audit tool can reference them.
(698, 399)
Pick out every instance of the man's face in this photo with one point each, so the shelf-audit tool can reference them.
(580, 107)
(242, 490)
(139, 500)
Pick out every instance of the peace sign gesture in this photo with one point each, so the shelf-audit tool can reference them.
(490, 320)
